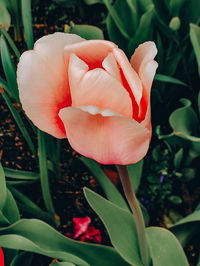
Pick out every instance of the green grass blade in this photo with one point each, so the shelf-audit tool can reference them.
(44, 178)
(11, 42)
(18, 174)
(9, 68)
(164, 78)
(3, 191)
(27, 22)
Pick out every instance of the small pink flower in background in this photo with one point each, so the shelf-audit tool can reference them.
(83, 232)
(1, 258)
(81, 225)
(88, 92)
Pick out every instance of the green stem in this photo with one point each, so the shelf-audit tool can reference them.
(138, 217)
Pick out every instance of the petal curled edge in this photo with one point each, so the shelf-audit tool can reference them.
(43, 82)
(129, 74)
(143, 62)
(108, 140)
(92, 52)
(97, 87)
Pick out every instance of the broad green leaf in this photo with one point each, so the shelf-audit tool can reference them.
(27, 22)
(44, 178)
(3, 189)
(88, 32)
(187, 228)
(144, 30)
(165, 248)
(62, 264)
(36, 236)
(135, 173)
(10, 209)
(145, 4)
(117, 18)
(92, 2)
(28, 206)
(178, 158)
(168, 79)
(184, 120)
(19, 174)
(109, 189)
(113, 217)
(175, 6)
(24, 258)
(9, 68)
(195, 40)
(127, 10)
(5, 18)
(20, 123)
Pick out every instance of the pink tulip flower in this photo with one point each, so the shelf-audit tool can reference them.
(1, 258)
(88, 92)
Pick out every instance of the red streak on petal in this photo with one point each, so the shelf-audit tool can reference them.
(134, 104)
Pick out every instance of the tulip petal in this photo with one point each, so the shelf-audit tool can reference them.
(143, 62)
(43, 84)
(97, 87)
(110, 65)
(106, 139)
(130, 76)
(92, 52)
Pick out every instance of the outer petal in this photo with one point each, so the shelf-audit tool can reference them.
(92, 52)
(143, 62)
(108, 140)
(97, 87)
(43, 83)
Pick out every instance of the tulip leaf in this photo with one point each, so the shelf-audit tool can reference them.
(127, 11)
(195, 40)
(184, 120)
(144, 30)
(36, 236)
(109, 189)
(11, 42)
(187, 228)
(3, 188)
(10, 209)
(175, 6)
(113, 217)
(88, 32)
(56, 263)
(24, 258)
(27, 22)
(165, 248)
